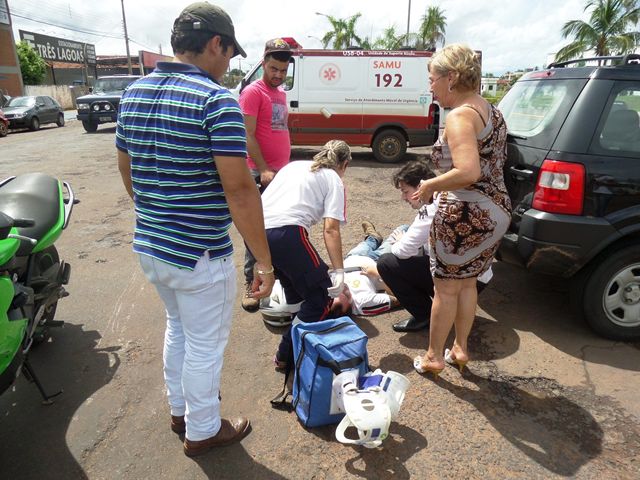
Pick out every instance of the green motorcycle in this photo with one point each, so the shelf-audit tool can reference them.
(34, 210)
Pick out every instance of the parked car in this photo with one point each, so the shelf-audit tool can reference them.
(573, 174)
(4, 125)
(101, 106)
(33, 111)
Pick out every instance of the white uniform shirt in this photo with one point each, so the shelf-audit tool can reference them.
(417, 235)
(298, 196)
(366, 300)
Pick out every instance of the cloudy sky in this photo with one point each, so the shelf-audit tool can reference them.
(511, 34)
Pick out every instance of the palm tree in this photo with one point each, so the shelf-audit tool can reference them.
(343, 34)
(606, 33)
(432, 27)
(389, 40)
(431, 31)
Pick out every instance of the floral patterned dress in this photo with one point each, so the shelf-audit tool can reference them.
(470, 222)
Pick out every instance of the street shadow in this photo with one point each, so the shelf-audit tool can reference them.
(233, 462)
(550, 429)
(33, 435)
(396, 362)
(23, 130)
(488, 340)
(103, 131)
(387, 462)
(366, 326)
(522, 300)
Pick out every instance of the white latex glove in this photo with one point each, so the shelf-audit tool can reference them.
(337, 280)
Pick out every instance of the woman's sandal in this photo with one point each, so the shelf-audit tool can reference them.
(417, 364)
(451, 360)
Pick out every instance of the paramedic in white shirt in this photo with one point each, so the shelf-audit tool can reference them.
(301, 195)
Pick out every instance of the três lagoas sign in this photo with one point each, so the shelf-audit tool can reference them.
(59, 49)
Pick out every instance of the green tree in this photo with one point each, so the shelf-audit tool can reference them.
(32, 66)
(432, 28)
(607, 33)
(431, 31)
(343, 34)
(389, 40)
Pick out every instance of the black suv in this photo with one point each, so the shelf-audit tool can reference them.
(101, 106)
(573, 174)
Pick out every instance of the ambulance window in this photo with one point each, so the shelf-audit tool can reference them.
(288, 82)
(257, 75)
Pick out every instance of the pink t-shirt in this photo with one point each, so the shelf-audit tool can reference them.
(269, 106)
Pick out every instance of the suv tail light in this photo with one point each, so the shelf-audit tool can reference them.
(560, 188)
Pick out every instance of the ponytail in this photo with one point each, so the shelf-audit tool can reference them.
(333, 155)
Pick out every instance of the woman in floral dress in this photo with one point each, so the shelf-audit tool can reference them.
(474, 210)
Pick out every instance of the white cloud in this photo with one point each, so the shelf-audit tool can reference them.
(511, 34)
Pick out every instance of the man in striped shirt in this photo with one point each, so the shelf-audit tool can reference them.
(181, 153)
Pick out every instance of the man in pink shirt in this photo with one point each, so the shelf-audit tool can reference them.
(264, 105)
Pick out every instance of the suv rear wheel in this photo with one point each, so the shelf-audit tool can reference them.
(389, 146)
(611, 301)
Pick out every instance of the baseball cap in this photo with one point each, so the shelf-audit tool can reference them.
(203, 16)
(277, 45)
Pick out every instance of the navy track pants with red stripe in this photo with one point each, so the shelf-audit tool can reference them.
(303, 275)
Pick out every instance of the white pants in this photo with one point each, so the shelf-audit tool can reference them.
(199, 306)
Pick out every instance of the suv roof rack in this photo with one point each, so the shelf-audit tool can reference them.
(602, 61)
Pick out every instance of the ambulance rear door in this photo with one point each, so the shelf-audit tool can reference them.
(397, 95)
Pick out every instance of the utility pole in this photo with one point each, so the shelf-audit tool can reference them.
(126, 38)
(408, 21)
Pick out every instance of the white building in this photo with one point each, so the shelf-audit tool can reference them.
(489, 86)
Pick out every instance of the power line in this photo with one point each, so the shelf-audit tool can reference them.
(65, 15)
(97, 34)
(79, 30)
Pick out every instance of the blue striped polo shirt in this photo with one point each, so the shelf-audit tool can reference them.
(171, 123)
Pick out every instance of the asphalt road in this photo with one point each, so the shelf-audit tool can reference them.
(543, 398)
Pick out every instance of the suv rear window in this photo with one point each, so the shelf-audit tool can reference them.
(620, 126)
(535, 110)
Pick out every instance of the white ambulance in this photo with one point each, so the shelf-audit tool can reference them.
(378, 99)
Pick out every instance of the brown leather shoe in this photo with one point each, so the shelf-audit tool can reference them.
(177, 424)
(231, 431)
(370, 231)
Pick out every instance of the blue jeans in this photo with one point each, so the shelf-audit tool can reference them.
(370, 247)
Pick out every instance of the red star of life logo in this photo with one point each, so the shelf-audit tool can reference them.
(329, 73)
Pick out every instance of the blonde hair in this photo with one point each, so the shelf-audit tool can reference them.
(333, 154)
(460, 60)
